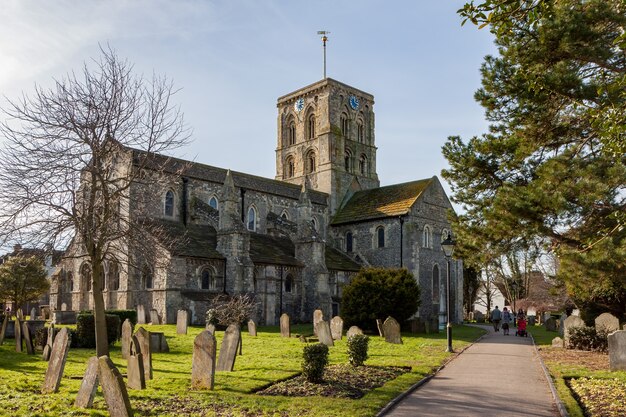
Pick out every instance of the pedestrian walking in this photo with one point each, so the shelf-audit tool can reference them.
(506, 320)
(496, 316)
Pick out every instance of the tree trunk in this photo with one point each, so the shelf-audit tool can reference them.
(102, 343)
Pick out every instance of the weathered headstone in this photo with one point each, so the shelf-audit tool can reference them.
(561, 326)
(45, 312)
(18, 335)
(336, 327)
(379, 325)
(228, 350)
(33, 313)
(353, 330)
(557, 342)
(617, 350)
(57, 362)
(127, 334)
(136, 374)
(154, 317)
(568, 324)
(182, 317)
(550, 324)
(141, 314)
(324, 334)
(285, 330)
(51, 333)
(210, 328)
(531, 320)
(391, 329)
(203, 361)
(479, 316)
(28, 341)
(3, 332)
(143, 337)
(158, 342)
(47, 349)
(252, 328)
(89, 385)
(318, 315)
(113, 388)
(607, 322)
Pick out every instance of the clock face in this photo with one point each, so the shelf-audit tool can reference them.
(299, 104)
(354, 102)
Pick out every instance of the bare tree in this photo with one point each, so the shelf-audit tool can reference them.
(71, 155)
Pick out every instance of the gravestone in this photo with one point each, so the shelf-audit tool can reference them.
(33, 313)
(113, 388)
(143, 337)
(203, 361)
(617, 350)
(210, 328)
(391, 329)
(318, 316)
(353, 330)
(136, 375)
(47, 349)
(252, 328)
(182, 318)
(336, 327)
(64, 307)
(531, 320)
(228, 350)
(127, 334)
(89, 385)
(550, 324)
(141, 314)
(45, 312)
(324, 334)
(285, 330)
(560, 326)
(479, 316)
(28, 341)
(158, 342)
(608, 322)
(379, 325)
(3, 332)
(18, 335)
(57, 362)
(154, 317)
(568, 324)
(557, 342)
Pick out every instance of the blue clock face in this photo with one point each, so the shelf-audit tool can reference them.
(299, 104)
(354, 102)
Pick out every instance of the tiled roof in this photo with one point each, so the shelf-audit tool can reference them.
(389, 201)
(272, 250)
(337, 260)
(198, 241)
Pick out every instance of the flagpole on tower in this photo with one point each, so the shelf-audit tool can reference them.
(324, 39)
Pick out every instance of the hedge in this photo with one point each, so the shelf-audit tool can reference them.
(86, 330)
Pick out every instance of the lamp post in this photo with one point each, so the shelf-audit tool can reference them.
(448, 247)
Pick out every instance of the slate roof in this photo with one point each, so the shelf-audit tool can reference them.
(199, 241)
(390, 201)
(337, 260)
(273, 250)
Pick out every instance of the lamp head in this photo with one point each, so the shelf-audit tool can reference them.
(448, 246)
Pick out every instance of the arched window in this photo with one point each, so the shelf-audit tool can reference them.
(314, 223)
(363, 165)
(310, 162)
(348, 160)
(380, 234)
(311, 126)
(251, 219)
(360, 131)
(427, 237)
(70, 282)
(290, 167)
(85, 277)
(343, 122)
(436, 284)
(285, 215)
(291, 133)
(169, 204)
(207, 279)
(349, 242)
(146, 277)
(213, 202)
(114, 276)
(289, 283)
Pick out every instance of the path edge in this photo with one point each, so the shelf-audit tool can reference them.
(555, 395)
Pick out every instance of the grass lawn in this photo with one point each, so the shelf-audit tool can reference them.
(266, 358)
(603, 392)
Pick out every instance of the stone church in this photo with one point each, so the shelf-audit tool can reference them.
(294, 241)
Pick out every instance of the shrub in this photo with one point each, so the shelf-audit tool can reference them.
(123, 315)
(315, 360)
(588, 338)
(357, 349)
(86, 330)
(378, 293)
(211, 317)
(41, 336)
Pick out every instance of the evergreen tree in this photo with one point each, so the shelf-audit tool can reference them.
(22, 279)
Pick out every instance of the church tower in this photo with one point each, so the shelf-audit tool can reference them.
(326, 138)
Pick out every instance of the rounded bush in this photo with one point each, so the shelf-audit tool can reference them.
(315, 360)
(357, 349)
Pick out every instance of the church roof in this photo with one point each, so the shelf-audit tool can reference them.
(193, 240)
(273, 250)
(337, 260)
(390, 201)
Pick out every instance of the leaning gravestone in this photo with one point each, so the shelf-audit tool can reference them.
(28, 341)
(228, 351)
(324, 334)
(336, 327)
(252, 328)
(353, 330)
(47, 349)
(17, 330)
(379, 325)
(557, 342)
(154, 317)
(318, 316)
(57, 362)
(550, 324)
(141, 314)
(392, 331)
(617, 350)
(127, 334)
(143, 337)
(182, 318)
(158, 342)
(568, 324)
(136, 374)
(607, 322)
(113, 388)
(3, 332)
(33, 313)
(89, 385)
(285, 330)
(203, 361)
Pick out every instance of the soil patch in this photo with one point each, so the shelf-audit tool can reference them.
(594, 361)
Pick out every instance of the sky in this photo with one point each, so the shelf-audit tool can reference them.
(232, 59)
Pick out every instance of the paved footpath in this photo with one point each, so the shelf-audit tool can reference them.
(497, 376)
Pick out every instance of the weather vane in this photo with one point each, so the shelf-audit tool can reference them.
(324, 39)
